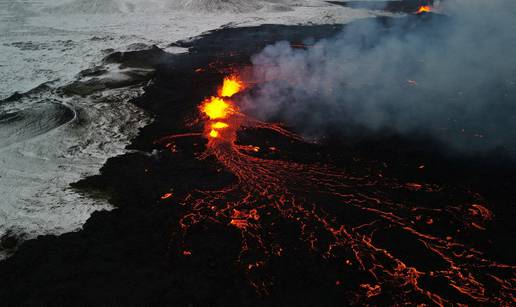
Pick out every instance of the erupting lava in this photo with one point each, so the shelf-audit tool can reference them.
(217, 108)
(340, 217)
(424, 9)
(219, 125)
(220, 108)
(231, 86)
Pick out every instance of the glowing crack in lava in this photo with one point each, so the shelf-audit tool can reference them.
(271, 192)
(424, 9)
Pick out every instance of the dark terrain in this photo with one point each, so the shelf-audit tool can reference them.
(406, 6)
(136, 254)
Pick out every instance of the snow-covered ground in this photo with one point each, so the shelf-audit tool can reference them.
(48, 142)
(43, 42)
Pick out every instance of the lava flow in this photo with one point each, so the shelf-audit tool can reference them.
(341, 217)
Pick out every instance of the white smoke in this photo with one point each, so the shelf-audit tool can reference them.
(453, 77)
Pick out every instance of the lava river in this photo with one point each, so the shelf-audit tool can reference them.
(307, 195)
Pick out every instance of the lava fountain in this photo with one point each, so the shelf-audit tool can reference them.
(221, 112)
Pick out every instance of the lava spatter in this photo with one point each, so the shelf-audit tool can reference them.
(308, 195)
(231, 86)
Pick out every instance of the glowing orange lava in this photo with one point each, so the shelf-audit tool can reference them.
(219, 125)
(214, 133)
(216, 108)
(281, 190)
(424, 9)
(166, 196)
(220, 108)
(231, 86)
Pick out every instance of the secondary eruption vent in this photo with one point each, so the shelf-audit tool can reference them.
(424, 9)
(316, 198)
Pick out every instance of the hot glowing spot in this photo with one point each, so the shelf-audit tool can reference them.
(219, 125)
(242, 224)
(231, 86)
(241, 218)
(214, 133)
(187, 253)
(166, 196)
(216, 108)
(424, 9)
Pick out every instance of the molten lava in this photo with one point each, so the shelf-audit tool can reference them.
(221, 108)
(424, 9)
(231, 86)
(219, 125)
(214, 133)
(216, 108)
(269, 191)
(166, 196)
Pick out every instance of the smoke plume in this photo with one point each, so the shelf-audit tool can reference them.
(451, 76)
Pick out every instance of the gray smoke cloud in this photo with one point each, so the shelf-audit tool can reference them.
(452, 77)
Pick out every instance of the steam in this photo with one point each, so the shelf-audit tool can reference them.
(450, 76)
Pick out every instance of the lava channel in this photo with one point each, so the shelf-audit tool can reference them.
(268, 190)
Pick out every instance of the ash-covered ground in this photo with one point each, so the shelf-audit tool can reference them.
(383, 219)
